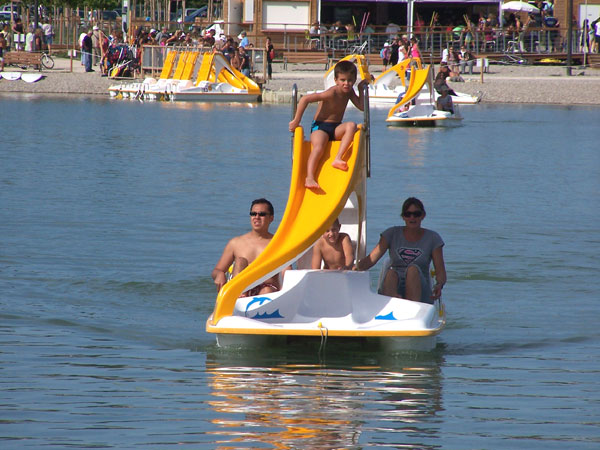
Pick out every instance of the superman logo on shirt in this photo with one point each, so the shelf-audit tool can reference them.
(409, 255)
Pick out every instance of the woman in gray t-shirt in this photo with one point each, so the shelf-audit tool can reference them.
(411, 250)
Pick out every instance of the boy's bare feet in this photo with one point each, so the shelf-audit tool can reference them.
(339, 164)
(310, 183)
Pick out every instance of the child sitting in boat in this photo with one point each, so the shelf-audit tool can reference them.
(334, 249)
(327, 124)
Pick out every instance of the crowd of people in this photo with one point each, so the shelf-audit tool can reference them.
(33, 38)
(106, 50)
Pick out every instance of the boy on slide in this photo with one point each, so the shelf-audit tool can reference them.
(327, 124)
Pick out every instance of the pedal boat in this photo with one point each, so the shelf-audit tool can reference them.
(321, 304)
(390, 86)
(416, 110)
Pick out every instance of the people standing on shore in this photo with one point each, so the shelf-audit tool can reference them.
(18, 31)
(48, 30)
(86, 49)
(244, 61)
(385, 54)
(394, 51)
(270, 51)
(95, 45)
(2, 50)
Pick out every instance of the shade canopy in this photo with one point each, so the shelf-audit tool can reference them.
(519, 6)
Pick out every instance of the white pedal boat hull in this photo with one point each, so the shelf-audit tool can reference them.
(424, 115)
(330, 304)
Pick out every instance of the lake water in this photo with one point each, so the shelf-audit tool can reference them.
(113, 213)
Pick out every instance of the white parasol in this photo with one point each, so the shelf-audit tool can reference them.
(520, 6)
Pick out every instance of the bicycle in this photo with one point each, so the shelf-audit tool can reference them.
(47, 60)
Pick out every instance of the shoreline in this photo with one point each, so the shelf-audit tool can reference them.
(544, 85)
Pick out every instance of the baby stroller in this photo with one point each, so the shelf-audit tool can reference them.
(122, 61)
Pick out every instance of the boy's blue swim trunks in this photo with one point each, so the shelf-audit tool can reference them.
(327, 127)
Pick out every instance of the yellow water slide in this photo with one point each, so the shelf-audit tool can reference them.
(204, 72)
(165, 73)
(216, 69)
(362, 66)
(181, 63)
(307, 215)
(229, 74)
(190, 65)
(418, 78)
(398, 70)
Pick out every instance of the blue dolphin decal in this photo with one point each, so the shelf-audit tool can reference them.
(259, 300)
(274, 315)
(389, 316)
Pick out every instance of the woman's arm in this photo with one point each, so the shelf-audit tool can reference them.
(371, 259)
(440, 272)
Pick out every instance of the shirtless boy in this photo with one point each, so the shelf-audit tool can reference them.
(327, 124)
(245, 248)
(334, 249)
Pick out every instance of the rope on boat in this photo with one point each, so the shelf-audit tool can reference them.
(323, 337)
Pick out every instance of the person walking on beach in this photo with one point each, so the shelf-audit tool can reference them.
(242, 250)
(327, 124)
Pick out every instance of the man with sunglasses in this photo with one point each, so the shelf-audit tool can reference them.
(411, 250)
(242, 250)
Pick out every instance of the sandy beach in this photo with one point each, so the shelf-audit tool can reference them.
(503, 84)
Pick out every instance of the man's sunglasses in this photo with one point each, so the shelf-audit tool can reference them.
(260, 214)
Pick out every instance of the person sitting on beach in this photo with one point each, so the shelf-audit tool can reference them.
(327, 124)
(466, 59)
(333, 249)
(242, 250)
(444, 101)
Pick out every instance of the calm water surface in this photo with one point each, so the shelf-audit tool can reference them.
(112, 215)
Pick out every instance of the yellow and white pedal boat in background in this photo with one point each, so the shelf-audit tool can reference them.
(391, 85)
(414, 109)
(321, 303)
(215, 80)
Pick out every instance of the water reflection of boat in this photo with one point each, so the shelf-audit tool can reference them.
(414, 109)
(287, 399)
(321, 303)
(215, 80)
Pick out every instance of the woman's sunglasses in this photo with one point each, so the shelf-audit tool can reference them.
(413, 214)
